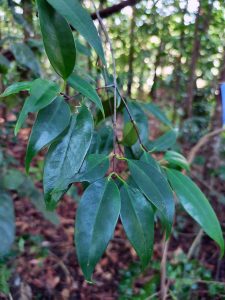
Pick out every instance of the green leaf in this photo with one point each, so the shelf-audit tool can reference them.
(80, 19)
(93, 168)
(158, 113)
(65, 157)
(58, 39)
(42, 93)
(138, 221)
(176, 159)
(84, 87)
(4, 64)
(7, 223)
(164, 142)
(16, 88)
(49, 124)
(196, 205)
(12, 179)
(130, 136)
(156, 188)
(25, 57)
(96, 220)
(147, 158)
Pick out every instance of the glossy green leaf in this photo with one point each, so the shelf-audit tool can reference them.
(196, 205)
(42, 93)
(147, 158)
(176, 159)
(164, 142)
(16, 88)
(96, 220)
(84, 87)
(65, 157)
(80, 19)
(158, 113)
(7, 223)
(49, 124)
(58, 39)
(138, 221)
(25, 57)
(130, 136)
(93, 168)
(156, 188)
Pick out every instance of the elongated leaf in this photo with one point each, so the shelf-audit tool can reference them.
(79, 18)
(42, 93)
(129, 134)
(93, 168)
(50, 123)
(158, 113)
(164, 142)
(176, 159)
(25, 57)
(148, 159)
(7, 223)
(86, 89)
(196, 205)
(65, 157)
(156, 188)
(58, 39)
(138, 221)
(16, 88)
(96, 220)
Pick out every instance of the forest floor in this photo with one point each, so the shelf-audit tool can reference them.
(46, 266)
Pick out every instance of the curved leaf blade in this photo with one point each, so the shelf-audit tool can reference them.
(158, 113)
(42, 93)
(84, 87)
(58, 39)
(138, 221)
(51, 121)
(163, 143)
(80, 19)
(196, 205)
(65, 157)
(16, 88)
(7, 223)
(96, 220)
(156, 188)
(176, 159)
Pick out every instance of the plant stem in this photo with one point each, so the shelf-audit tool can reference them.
(132, 121)
(114, 80)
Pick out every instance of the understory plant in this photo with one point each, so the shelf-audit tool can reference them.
(81, 135)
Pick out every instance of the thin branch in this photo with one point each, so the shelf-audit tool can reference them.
(163, 284)
(195, 244)
(114, 80)
(132, 121)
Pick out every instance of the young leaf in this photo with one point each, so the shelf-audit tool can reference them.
(58, 39)
(138, 221)
(84, 87)
(176, 159)
(129, 134)
(7, 223)
(42, 93)
(156, 188)
(158, 113)
(80, 19)
(96, 220)
(196, 205)
(65, 157)
(164, 142)
(49, 124)
(16, 88)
